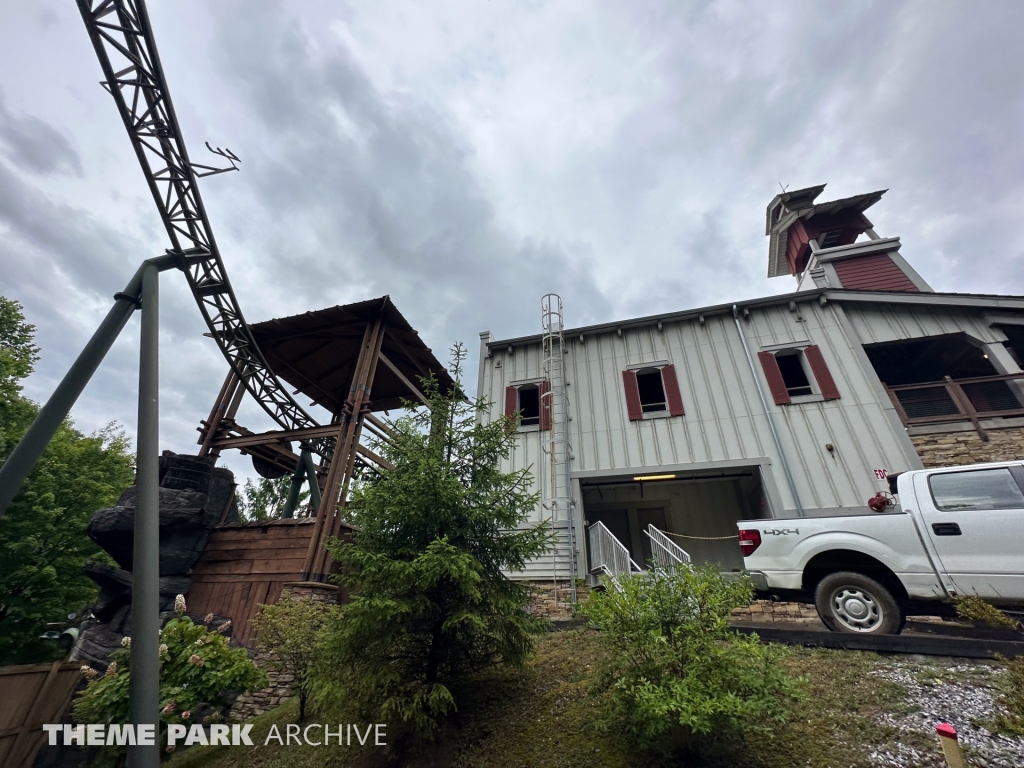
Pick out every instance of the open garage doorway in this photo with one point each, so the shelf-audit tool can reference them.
(698, 512)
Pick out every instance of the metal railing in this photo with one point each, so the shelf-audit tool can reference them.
(607, 554)
(972, 399)
(664, 552)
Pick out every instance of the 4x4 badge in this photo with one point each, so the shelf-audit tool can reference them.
(782, 532)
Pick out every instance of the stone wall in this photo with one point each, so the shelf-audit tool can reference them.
(765, 611)
(942, 449)
(281, 686)
(551, 602)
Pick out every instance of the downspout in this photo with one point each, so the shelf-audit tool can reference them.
(768, 413)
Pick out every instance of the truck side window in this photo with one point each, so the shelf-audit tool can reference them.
(979, 489)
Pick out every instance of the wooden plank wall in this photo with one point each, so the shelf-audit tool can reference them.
(245, 565)
(31, 695)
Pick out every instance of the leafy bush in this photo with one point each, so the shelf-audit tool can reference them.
(675, 673)
(197, 668)
(435, 537)
(292, 632)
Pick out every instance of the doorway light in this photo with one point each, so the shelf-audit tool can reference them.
(655, 477)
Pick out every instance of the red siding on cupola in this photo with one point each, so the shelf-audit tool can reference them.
(847, 223)
(877, 272)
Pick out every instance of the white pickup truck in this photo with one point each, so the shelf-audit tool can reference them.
(950, 531)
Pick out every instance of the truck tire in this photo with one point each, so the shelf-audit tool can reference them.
(857, 604)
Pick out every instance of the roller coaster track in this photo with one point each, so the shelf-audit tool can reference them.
(123, 39)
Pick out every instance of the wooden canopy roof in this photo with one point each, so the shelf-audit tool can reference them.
(316, 352)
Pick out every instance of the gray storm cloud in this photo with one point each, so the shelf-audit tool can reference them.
(466, 159)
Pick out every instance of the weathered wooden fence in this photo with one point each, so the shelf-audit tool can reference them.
(30, 695)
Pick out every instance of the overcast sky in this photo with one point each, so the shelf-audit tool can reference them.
(468, 157)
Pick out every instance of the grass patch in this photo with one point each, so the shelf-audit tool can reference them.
(547, 717)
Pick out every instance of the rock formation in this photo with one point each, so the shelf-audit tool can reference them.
(195, 496)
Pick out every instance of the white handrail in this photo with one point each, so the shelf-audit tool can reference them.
(608, 554)
(664, 552)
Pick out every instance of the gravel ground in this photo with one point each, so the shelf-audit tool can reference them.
(960, 693)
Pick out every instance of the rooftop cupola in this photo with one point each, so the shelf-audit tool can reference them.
(817, 243)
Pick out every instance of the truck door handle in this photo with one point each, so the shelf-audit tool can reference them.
(946, 529)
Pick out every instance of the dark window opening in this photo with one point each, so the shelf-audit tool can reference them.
(529, 404)
(1014, 342)
(926, 360)
(652, 390)
(793, 373)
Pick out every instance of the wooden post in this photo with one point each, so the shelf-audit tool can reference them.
(950, 746)
(336, 486)
(900, 411)
(360, 402)
(227, 392)
(965, 405)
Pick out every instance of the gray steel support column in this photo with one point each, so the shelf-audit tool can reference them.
(144, 690)
(32, 444)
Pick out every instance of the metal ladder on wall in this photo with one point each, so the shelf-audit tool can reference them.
(559, 450)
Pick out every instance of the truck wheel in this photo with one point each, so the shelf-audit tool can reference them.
(854, 603)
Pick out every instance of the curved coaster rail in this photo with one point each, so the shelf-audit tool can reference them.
(120, 31)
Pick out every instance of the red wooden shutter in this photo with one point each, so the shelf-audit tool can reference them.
(774, 376)
(511, 401)
(826, 383)
(632, 396)
(545, 404)
(671, 383)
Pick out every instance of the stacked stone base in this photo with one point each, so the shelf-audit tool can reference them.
(954, 448)
(282, 684)
(765, 611)
(281, 689)
(554, 601)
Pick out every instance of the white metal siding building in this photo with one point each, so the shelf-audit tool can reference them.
(776, 407)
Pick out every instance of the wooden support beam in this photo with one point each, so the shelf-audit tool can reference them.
(401, 377)
(380, 461)
(343, 462)
(248, 439)
(220, 407)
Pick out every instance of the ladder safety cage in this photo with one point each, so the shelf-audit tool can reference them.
(555, 402)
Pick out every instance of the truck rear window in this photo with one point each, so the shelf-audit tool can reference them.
(979, 489)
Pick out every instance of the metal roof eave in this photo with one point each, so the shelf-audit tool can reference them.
(993, 301)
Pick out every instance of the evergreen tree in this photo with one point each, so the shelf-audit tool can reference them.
(42, 535)
(435, 538)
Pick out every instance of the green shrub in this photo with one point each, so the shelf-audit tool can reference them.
(292, 632)
(197, 668)
(675, 674)
(970, 608)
